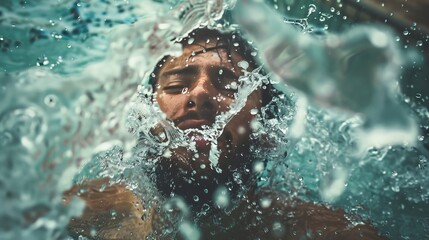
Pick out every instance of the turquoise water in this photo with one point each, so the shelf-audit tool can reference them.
(70, 76)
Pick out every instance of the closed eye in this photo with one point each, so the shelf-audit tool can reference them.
(174, 86)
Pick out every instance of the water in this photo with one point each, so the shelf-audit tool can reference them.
(75, 104)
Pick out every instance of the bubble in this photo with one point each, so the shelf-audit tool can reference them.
(51, 100)
(196, 198)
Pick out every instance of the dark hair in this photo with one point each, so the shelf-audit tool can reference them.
(231, 41)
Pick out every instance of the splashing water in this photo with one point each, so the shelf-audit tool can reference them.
(330, 71)
(73, 102)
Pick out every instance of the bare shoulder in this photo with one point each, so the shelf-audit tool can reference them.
(304, 220)
(111, 211)
(280, 218)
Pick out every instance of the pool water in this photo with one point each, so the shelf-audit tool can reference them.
(74, 79)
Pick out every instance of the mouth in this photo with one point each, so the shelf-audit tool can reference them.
(193, 123)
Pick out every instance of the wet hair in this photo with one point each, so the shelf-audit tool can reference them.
(229, 41)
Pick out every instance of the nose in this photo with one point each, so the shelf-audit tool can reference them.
(202, 96)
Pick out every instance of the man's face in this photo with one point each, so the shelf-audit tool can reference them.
(193, 89)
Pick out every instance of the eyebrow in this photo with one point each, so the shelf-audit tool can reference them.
(180, 71)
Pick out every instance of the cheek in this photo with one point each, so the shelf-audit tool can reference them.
(240, 125)
(168, 104)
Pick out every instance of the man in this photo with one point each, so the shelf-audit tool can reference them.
(214, 177)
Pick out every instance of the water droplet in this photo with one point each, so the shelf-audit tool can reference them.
(113, 214)
(69, 45)
(406, 32)
(221, 197)
(395, 188)
(254, 111)
(185, 90)
(93, 232)
(220, 72)
(196, 198)
(419, 43)
(407, 100)
(258, 167)
(243, 64)
(191, 40)
(265, 202)
(311, 9)
(278, 230)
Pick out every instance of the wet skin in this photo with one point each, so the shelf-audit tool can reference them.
(193, 89)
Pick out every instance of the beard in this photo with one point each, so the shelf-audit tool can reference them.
(193, 178)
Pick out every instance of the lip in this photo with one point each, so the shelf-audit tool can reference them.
(193, 123)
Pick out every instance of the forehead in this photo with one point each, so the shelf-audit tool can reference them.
(205, 50)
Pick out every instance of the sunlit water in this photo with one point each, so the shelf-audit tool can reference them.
(75, 104)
